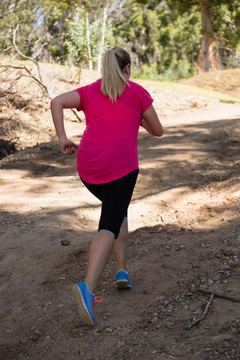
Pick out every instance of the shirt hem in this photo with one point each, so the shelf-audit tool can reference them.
(108, 180)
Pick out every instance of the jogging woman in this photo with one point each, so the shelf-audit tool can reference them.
(107, 161)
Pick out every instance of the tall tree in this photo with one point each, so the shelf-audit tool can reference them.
(207, 34)
(210, 16)
(90, 62)
(89, 7)
(103, 32)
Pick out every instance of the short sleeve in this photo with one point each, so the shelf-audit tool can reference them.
(145, 99)
(80, 91)
(87, 94)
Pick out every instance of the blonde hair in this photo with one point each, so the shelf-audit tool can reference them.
(113, 78)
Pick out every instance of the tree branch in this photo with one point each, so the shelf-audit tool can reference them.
(197, 321)
(24, 56)
(220, 295)
(29, 74)
(14, 80)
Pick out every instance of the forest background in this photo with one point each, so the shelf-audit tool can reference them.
(167, 40)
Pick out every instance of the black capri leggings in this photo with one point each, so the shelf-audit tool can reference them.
(115, 197)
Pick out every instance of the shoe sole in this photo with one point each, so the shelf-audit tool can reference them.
(123, 284)
(82, 310)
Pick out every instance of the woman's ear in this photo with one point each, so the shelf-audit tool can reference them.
(127, 71)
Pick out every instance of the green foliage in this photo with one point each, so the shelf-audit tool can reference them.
(181, 69)
(13, 13)
(163, 37)
(147, 72)
(77, 39)
(164, 43)
(225, 25)
(39, 21)
(179, 33)
(54, 20)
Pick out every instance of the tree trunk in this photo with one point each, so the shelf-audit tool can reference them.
(207, 54)
(102, 40)
(88, 39)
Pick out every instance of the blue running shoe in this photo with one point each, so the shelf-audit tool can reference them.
(122, 280)
(85, 301)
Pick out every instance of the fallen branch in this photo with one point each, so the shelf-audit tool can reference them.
(197, 321)
(25, 75)
(219, 295)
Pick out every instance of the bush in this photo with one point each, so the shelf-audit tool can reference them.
(180, 69)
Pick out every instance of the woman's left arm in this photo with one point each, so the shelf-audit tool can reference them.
(67, 100)
(151, 122)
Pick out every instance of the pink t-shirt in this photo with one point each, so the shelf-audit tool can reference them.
(108, 148)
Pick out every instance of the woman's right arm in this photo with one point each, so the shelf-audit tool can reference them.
(151, 122)
(67, 100)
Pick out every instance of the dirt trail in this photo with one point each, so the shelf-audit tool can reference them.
(184, 234)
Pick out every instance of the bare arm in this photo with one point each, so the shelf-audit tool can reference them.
(67, 100)
(151, 122)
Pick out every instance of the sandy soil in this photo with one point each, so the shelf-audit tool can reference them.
(184, 235)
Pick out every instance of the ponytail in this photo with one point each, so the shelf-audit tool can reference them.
(113, 78)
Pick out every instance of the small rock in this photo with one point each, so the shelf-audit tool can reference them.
(148, 319)
(108, 330)
(169, 324)
(225, 267)
(227, 252)
(180, 247)
(34, 337)
(195, 266)
(154, 320)
(65, 242)
(233, 263)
